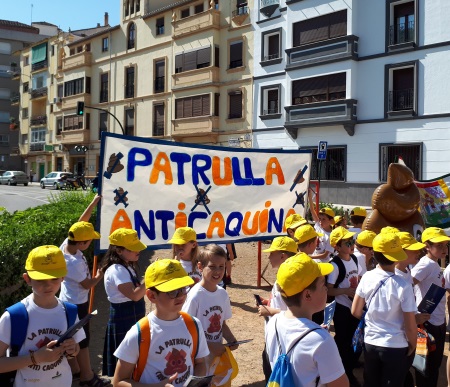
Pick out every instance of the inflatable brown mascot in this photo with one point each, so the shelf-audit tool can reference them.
(396, 203)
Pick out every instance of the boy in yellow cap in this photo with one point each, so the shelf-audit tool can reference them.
(172, 357)
(301, 282)
(76, 285)
(342, 283)
(364, 251)
(292, 222)
(427, 272)
(357, 217)
(38, 360)
(390, 333)
(307, 237)
(185, 249)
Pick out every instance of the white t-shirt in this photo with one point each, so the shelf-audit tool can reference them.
(211, 308)
(44, 325)
(275, 299)
(194, 274)
(170, 350)
(116, 275)
(315, 355)
(350, 280)
(77, 271)
(447, 277)
(406, 276)
(384, 318)
(361, 261)
(428, 272)
(323, 244)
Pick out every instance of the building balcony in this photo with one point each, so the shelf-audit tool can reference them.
(15, 151)
(39, 65)
(196, 23)
(402, 36)
(268, 7)
(205, 75)
(15, 99)
(15, 75)
(71, 101)
(39, 93)
(38, 120)
(37, 146)
(78, 60)
(194, 127)
(331, 50)
(337, 112)
(74, 136)
(401, 103)
(240, 14)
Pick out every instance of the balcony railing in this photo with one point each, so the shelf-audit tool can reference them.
(240, 11)
(271, 56)
(401, 33)
(195, 23)
(39, 65)
(401, 100)
(38, 120)
(37, 93)
(15, 98)
(158, 129)
(268, 7)
(270, 111)
(37, 146)
(159, 84)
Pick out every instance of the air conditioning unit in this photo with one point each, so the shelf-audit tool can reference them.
(57, 100)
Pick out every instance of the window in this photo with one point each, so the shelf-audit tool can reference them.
(193, 60)
(320, 28)
(138, 5)
(105, 44)
(401, 98)
(38, 135)
(26, 60)
(235, 54)
(5, 48)
(160, 72)
(129, 122)
(216, 104)
(74, 87)
(87, 47)
(271, 41)
(72, 52)
(79, 49)
(129, 82)
(104, 79)
(53, 50)
(402, 28)
(185, 13)
(25, 87)
(103, 124)
(192, 106)
(131, 6)
(87, 121)
(241, 7)
(131, 36)
(216, 4)
(59, 126)
(39, 81)
(270, 103)
(73, 122)
(410, 153)
(24, 113)
(160, 26)
(4, 116)
(5, 93)
(4, 140)
(319, 89)
(198, 8)
(127, 7)
(60, 91)
(333, 168)
(158, 119)
(235, 104)
(59, 163)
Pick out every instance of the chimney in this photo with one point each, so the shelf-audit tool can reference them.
(106, 19)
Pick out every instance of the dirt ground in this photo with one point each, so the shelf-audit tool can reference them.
(245, 323)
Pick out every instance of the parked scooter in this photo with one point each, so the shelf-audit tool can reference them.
(75, 183)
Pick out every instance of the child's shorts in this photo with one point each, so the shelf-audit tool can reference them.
(83, 310)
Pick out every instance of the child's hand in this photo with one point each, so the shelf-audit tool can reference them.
(350, 292)
(216, 349)
(233, 347)
(48, 353)
(70, 347)
(168, 382)
(422, 317)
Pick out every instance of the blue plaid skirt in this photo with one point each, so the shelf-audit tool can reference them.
(121, 318)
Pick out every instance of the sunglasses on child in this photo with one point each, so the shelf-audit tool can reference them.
(177, 292)
(349, 243)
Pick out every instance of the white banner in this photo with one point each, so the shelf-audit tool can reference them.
(225, 194)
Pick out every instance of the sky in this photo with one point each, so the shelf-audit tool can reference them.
(65, 14)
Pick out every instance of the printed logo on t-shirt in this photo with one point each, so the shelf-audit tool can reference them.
(215, 323)
(353, 281)
(176, 362)
(42, 343)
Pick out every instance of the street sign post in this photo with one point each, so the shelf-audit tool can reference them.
(322, 150)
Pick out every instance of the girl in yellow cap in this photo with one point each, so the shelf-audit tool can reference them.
(185, 250)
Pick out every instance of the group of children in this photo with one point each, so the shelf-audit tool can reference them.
(381, 276)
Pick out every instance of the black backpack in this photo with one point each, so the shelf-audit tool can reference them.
(341, 269)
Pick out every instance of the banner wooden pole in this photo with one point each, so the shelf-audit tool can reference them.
(91, 296)
(258, 279)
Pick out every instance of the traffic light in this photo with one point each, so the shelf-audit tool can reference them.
(80, 108)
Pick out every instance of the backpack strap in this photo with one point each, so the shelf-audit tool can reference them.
(355, 259)
(341, 270)
(296, 341)
(144, 338)
(71, 313)
(19, 324)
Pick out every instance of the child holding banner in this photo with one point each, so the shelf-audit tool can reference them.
(185, 250)
(124, 290)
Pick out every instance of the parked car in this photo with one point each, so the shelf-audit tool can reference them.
(14, 178)
(57, 180)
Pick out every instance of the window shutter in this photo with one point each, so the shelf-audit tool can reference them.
(130, 117)
(160, 69)
(337, 83)
(159, 114)
(313, 30)
(88, 85)
(190, 60)
(204, 55)
(206, 105)
(187, 107)
(179, 108)
(338, 24)
(196, 106)
(404, 9)
(179, 63)
(313, 86)
(103, 121)
(235, 51)
(160, 22)
(235, 105)
(272, 101)
(274, 46)
(216, 56)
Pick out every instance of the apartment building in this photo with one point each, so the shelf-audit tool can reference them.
(368, 77)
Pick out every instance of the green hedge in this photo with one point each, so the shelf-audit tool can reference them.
(22, 231)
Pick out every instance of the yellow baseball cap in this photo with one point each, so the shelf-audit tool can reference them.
(338, 218)
(167, 275)
(338, 234)
(298, 272)
(358, 211)
(409, 242)
(183, 235)
(128, 238)
(46, 262)
(389, 230)
(82, 231)
(328, 211)
(282, 244)
(434, 235)
(390, 246)
(365, 238)
(294, 221)
(305, 233)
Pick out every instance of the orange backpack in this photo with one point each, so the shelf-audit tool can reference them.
(144, 339)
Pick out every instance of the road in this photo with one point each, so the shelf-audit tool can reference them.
(20, 198)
